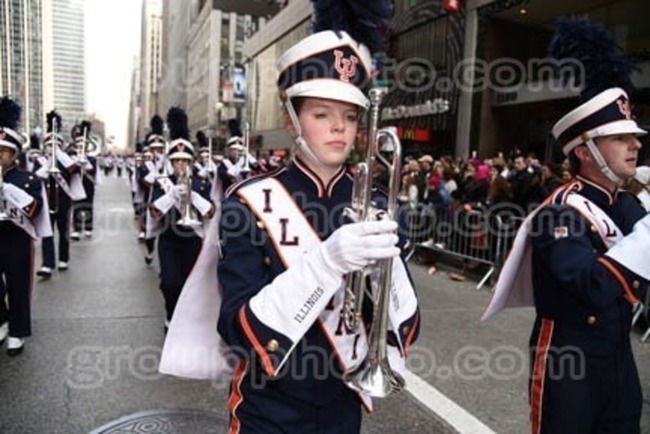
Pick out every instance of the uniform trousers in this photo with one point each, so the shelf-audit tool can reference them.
(60, 220)
(16, 269)
(177, 254)
(82, 214)
(585, 393)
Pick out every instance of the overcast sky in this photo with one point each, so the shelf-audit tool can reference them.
(112, 44)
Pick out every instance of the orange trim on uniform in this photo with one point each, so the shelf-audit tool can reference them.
(236, 397)
(411, 335)
(259, 349)
(629, 295)
(539, 374)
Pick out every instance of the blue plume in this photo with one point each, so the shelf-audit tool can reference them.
(366, 21)
(9, 113)
(177, 123)
(157, 125)
(603, 61)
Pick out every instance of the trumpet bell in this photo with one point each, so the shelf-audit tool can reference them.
(188, 222)
(375, 378)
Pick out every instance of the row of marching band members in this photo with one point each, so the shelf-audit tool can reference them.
(37, 191)
(176, 188)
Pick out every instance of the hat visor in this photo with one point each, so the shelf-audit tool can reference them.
(329, 89)
(236, 146)
(610, 129)
(181, 156)
(9, 145)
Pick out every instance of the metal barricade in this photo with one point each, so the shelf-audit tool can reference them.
(643, 310)
(470, 233)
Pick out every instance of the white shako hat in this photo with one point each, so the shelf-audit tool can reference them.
(328, 65)
(605, 114)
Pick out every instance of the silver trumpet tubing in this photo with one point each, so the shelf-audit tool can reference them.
(374, 375)
(187, 219)
(3, 212)
(53, 144)
(247, 142)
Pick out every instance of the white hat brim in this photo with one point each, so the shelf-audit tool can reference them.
(328, 88)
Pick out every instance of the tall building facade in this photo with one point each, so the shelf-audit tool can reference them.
(150, 63)
(21, 58)
(176, 25)
(218, 72)
(64, 60)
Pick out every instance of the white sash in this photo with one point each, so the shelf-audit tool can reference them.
(514, 286)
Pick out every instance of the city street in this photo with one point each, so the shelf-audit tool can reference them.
(91, 364)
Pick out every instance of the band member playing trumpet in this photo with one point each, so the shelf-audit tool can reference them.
(286, 251)
(21, 202)
(179, 203)
(63, 186)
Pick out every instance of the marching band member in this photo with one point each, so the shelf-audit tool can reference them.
(581, 259)
(206, 167)
(154, 166)
(63, 185)
(175, 200)
(283, 265)
(83, 210)
(21, 223)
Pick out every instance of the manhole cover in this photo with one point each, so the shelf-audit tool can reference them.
(167, 422)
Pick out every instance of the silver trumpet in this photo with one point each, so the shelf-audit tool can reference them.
(186, 202)
(53, 144)
(3, 212)
(247, 141)
(374, 375)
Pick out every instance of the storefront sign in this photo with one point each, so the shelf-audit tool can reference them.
(437, 106)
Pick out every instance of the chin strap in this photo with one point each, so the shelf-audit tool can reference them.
(602, 164)
(300, 143)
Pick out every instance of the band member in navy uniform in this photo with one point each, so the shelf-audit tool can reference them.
(581, 250)
(21, 203)
(63, 185)
(286, 251)
(83, 210)
(179, 203)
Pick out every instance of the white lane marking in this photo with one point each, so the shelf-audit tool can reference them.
(456, 416)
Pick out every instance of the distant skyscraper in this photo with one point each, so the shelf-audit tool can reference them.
(21, 57)
(65, 72)
(150, 63)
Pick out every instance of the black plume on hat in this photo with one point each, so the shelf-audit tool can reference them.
(85, 125)
(9, 113)
(157, 125)
(177, 123)
(603, 62)
(34, 142)
(53, 117)
(201, 139)
(366, 21)
(234, 128)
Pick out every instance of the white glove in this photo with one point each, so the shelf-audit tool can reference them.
(631, 250)
(178, 191)
(357, 245)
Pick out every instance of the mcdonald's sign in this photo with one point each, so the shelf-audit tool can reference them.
(414, 134)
